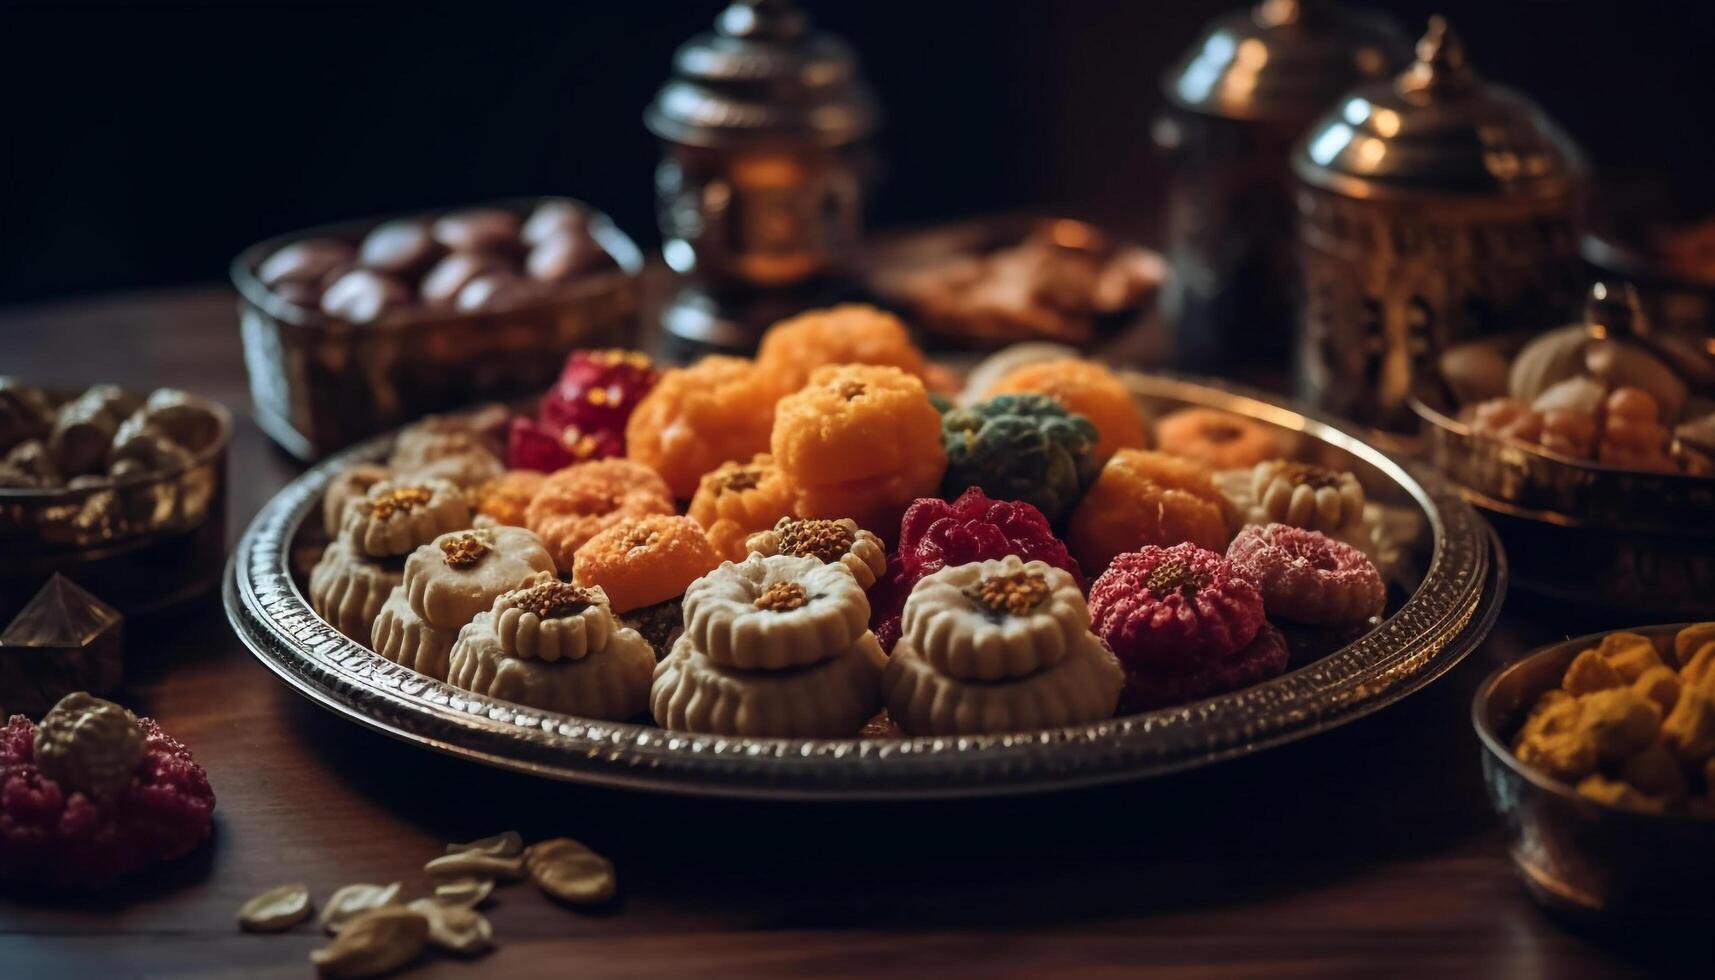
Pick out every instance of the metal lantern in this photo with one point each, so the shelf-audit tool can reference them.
(1236, 103)
(1432, 208)
(764, 126)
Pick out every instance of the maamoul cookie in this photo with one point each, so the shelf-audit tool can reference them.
(347, 485)
(1215, 438)
(698, 417)
(548, 619)
(1144, 498)
(1090, 390)
(465, 470)
(396, 517)
(998, 646)
(852, 333)
(611, 683)
(506, 497)
(1308, 577)
(1020, 447)
(859, 441)
(407, 639)
(437, 437)
(827, 541)
(641, 561)
(347, 589)
(831, 698)
(580, 500)
(459, 574)
(1306, 495)
(736, 500)
(770, 613)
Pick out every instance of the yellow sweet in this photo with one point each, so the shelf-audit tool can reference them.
(1143, 498)
(1616, 793)
(852, 333)
(697, 418)
(1618, 722)
(506, 497)
(1217, 439)
(575, 503)
(1661, 685)
(735, 500)
(1629, 654)
(1690, 640)
(644, 560)
(1690, 727)
(1088, 389)
(1655, 770)
(1590, 672)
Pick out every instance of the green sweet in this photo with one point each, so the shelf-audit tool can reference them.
(1020, 447)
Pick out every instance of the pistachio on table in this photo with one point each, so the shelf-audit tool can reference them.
(455, 928)
(275, 909)
(567, 870)
(508, 844)
(469, 864)
(353, 900)
(376, 941)
(468, 892)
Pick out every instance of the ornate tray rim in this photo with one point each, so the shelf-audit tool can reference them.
(1443, 621)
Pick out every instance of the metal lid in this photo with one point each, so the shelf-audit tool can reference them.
(762, 75)
(1283, 60)
(1438, 128)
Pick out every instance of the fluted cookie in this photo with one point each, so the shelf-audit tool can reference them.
(768, 613)
(395, 517)
(829, 699)
(348, 589)
(993, 620)
(466, 470)
(409, 640)
(1305, 495)
(611, 684)
(827, 541)
(346, 486)
(1082, 688)
(550, 620)
(461, 573)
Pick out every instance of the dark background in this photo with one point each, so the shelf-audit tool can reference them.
(148, 143)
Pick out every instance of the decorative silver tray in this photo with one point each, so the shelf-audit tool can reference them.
(1448, 580)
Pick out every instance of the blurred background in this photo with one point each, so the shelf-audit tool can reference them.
(149, 142)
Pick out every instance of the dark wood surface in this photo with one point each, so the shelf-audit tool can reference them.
(1368, 851)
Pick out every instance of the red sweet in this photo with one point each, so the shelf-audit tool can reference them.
(936, 534)
(1308, 577)
(597, 391)
(69, 841)
(534, 445)
(1265, 657)
(1180, 609)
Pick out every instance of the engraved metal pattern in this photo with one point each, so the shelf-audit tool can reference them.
(1443, 620)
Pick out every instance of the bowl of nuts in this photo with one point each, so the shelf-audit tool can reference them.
(1599, 755)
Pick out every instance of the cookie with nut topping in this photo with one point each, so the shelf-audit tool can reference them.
(395, 517)
(828, 541)
(459, 574)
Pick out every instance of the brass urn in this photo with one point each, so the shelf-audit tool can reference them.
(1432, 208)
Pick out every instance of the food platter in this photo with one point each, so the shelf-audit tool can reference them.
(1447, 580)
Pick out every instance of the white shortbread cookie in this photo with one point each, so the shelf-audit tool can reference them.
(766, 613)
(347, 485)
(548, 619)
(612, 685)
(830, 699)
(1303, 495)
(828, 541)
(396, 517)
(464, 470)
(459, 574)
(347, 589)
(405, 638)
(991, 620)
(1083, 688)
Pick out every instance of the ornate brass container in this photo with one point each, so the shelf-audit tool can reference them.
(1243, 94)
(1432, 208)
(760, 191)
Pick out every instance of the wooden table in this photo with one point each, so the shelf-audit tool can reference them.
(1369, 851)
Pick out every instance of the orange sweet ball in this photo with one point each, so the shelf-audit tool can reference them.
(736, 500)
(1146, 498)
(850, 334)
(1090, 390)
(577, 502)
(644, 560)
(1215, 438)
(506, 497)
(698, 417)
(859, 441)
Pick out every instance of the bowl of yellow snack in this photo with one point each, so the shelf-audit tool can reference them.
(1599, 755)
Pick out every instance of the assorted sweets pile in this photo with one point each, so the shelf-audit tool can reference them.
(1632, 724)
(1576, 395)
(789, 545)
(102, 435)
(93, 793)
(468, 261)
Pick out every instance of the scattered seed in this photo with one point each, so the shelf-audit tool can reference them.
(571, 872)
(455, 928)
(275, 909)
(352, 900)
(468, 892)
(508, 844)
(374, 942)
(474, 864)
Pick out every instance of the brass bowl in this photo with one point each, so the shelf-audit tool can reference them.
(1577, 855)
(139, 542)
(319, 383)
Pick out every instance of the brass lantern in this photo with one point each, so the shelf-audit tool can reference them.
(764, 127)
(1432, 208)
